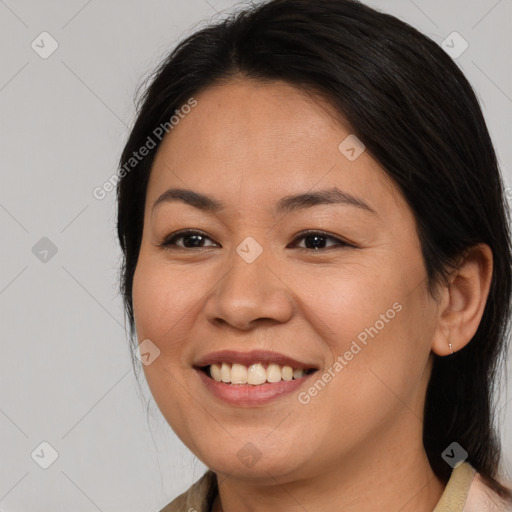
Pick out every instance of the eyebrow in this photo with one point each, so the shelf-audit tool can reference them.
(285, 205)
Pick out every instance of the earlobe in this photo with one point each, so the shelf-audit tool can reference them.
(463, 301)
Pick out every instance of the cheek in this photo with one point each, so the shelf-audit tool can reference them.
(342, 303)
(163, 306)
(163, 300)
(375, 325)
(375, 375)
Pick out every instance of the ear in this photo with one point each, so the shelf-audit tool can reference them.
(462, 303)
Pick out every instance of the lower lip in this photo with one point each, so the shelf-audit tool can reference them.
(249, 395)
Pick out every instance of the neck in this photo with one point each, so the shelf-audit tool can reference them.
(396, 477)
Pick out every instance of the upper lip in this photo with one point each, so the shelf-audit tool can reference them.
(249, 358)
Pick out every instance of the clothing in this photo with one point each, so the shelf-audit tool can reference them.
(467, 492)
(464, 492)
(198, 498)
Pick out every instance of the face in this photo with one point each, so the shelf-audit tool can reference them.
(347, 300)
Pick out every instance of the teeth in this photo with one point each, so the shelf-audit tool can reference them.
(225, 372)
(273, 373)
(216, 372)
(255, 374)
(238, 374)
(297, 374)
(287, 373)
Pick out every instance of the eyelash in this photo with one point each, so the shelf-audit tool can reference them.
(169, 241)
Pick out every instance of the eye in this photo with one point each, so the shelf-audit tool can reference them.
(194, 238)
(318, 240)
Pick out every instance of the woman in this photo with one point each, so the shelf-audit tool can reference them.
(317, 264)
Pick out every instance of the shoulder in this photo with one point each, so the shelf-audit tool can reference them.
(197, 498)
(482, 498)
(467, 491)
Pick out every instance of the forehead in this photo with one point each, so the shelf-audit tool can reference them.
(266, 138)
(243, 108)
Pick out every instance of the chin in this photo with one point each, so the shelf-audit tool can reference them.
(249, 462)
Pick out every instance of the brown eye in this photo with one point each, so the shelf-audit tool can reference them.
(191, 239)
(317, 240)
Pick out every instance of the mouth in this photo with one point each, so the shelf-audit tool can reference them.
(251, 379)
(254, 374)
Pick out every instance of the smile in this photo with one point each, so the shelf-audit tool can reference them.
(254, 375)
(248, 379)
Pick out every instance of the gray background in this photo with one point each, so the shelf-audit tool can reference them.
(66, 375)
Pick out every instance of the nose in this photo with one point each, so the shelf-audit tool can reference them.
(250, 294)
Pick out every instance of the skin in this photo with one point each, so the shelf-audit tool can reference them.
(358, 442)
